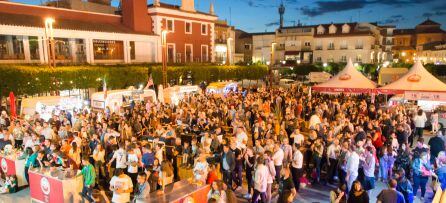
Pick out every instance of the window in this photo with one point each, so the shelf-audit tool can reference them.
(330, 45)
(343, 58)
(247, 47)
(332, 29)
(11, 47)
(318, 45)
(204, 29)
(81, 56)
(204, 53)
(170, 26)
(330, 59)
(33, 47)
(171, 53)
(344, 44)
(108, 50)
(359, 44)
(188, 53)
(318, 59)
(132, 50)
(358, 58)
(307, 44)
(188, 28)
(62, 49)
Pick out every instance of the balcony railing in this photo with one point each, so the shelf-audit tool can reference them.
(343, 47)
(331, 48)
(318, 48)
(359, 47)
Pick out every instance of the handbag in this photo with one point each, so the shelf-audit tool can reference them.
(438, 193)
(425, 172)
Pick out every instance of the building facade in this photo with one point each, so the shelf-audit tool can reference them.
(243, 47)
(434, 52)
(132, 35)
(224, 42)
(406, 41)
(262, 47)
(190, 33)
(335, 42)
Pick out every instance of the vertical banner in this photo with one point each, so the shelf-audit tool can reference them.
(45, 189)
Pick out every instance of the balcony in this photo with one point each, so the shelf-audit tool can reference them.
(330, 48)
(220, 41)
(343, 47)
(359, 47)
(318, 48)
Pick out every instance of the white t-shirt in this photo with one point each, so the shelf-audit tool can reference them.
(298, 159)
(353, 163)
(121, 159)
(124, 183)
(299, 139)
(132, 158)
(241, 137)
(278, 157)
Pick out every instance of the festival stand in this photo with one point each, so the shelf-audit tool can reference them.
(49, 189)
(10, 165)
(181, 192)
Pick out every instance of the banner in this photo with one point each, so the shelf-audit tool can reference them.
(429, 96)
(45, 189)
(7, 166)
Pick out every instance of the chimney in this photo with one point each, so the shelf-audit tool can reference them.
(211, 9)
(187, 5)
(135, 16)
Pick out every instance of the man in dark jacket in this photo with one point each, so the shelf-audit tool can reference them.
(436, 145)
(227, 165)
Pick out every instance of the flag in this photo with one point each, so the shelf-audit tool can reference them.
(104, 89)
(12, 105)
(149, 82)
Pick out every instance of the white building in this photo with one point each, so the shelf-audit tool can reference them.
(262, 44)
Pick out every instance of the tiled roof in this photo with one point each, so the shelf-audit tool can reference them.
(36, 21)
(176, 7)
(429, 22)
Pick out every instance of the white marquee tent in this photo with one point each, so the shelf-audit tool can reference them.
(349, 80)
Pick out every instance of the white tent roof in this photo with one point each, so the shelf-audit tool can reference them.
(417, 79)
(348, 80)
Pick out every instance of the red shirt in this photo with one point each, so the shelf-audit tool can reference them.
(211, 177)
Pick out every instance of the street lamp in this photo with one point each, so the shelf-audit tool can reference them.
(49, 35)
(164, 56)
(228, 51)
(272, 62)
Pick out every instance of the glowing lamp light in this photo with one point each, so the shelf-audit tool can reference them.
(356, 64)
(325, 64)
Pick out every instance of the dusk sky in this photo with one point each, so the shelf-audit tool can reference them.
(261, 15)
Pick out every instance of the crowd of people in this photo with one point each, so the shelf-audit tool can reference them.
(274, 141)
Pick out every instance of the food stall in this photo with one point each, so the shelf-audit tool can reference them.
(221, 87)
(115, 99)
(173, 95)
(57, 186)
(46, 106)
(11, 165)
(180, 192)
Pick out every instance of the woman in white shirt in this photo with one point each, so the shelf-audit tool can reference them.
(122, 187)
(132, 162)
(99, 160)
(296, 166)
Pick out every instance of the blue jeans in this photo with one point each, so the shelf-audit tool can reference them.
(317, 163)
(419, 181)
(87, 192)
(256, 195)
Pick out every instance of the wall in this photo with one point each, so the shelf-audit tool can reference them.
(350, 52)
(262, 47)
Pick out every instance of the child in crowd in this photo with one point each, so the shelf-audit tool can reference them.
(304, 180)
(186, 155)
(10, 185)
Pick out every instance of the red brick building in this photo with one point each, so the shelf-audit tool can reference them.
(191, 33)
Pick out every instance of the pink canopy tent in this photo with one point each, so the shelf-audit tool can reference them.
(349, 80)
(417, 84)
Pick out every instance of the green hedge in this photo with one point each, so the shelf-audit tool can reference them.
(30, 79)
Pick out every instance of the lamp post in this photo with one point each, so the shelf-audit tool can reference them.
(164, 56)
(50, 42)
(228, 51)
(271, 64)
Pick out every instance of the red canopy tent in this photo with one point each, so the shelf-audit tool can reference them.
(349, 80)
